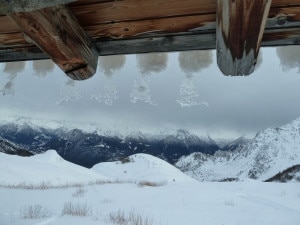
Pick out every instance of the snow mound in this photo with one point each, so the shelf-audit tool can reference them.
(48, 168)
(142, 167)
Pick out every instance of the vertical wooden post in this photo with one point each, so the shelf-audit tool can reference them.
(240, 27)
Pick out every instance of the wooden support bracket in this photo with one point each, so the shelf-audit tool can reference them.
(239, 31)
(56, 31)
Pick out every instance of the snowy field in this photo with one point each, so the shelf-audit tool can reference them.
(125, 196)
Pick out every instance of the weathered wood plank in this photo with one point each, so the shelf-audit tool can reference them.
(12, 40)
(93, 12)
(239, 30)
(203, 41)
(278, 18)
(12, 6)
(56, 31)
(275, 3)
(170, 24)
(130, 10)
(155, 26)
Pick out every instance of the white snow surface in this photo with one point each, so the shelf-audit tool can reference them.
(207, 203)
(45, 168)
(142, 167)
(270, 152)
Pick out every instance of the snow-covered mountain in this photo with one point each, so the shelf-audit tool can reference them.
(13, 149)
(270, 152)
(88, 144)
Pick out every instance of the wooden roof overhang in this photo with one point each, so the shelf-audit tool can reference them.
(73, 33)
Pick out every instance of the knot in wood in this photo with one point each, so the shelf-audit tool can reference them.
(281, 20)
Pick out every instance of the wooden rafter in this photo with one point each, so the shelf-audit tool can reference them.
(203, 41)
(134, 26)
(240, 28)
(55, 30)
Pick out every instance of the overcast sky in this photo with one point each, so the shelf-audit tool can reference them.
(161, 91)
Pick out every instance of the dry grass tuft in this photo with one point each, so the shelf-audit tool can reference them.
(79, 192)
(79, 209)
(34, 212)
(132, 218)
(151, 184)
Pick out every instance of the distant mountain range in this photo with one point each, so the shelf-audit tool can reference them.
(12, 149)
(88, 147)
(273, 155)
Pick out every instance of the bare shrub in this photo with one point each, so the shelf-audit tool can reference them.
(229, 203)
(79, 192)
(137, 219)
(48, 185)
(106, 201)
(34, 212)
(132, 218)
(116, 181)
(40, 186)
(118, 218)
(144, 183)
(79, 209)
(126, 160)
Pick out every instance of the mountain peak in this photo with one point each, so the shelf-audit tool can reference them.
(271, 151)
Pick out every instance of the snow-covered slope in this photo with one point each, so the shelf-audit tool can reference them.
(12, 149)
(142, 167)
(270, 152)
(48, 168)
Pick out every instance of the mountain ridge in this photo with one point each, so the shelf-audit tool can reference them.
(269, 152)
(87, 147)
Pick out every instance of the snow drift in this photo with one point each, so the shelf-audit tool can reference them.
(47, 168)
(142, 167)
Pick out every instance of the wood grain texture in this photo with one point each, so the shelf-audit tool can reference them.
(56, 31)
(240, 27)
(131, 10)
(131, 29)
(204, 41)
(89, 12)
(278, 18)
(12, 6)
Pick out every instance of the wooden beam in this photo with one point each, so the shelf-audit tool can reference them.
(279, 17)
(55, 30)
(12, 6)
(239, 30)
(203, 41)
(93, 12)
